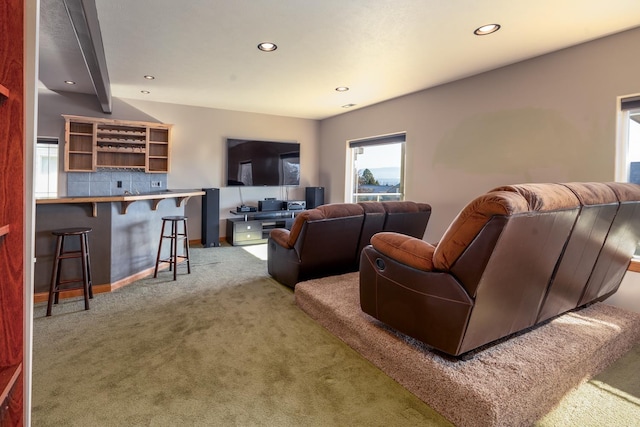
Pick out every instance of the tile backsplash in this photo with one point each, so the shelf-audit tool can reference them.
(114, 183)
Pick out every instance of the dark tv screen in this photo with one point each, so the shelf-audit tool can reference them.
(262, 163)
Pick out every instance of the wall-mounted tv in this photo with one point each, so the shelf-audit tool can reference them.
(256, 163)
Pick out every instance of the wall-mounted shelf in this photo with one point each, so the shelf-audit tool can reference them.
(8, 377)
(4, 229)
(4, 94)
(94, 143)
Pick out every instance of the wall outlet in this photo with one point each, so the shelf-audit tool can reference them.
(157, 184)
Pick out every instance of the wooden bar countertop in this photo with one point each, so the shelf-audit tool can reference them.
(126, 199)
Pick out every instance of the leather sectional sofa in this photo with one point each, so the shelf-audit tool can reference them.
(327, 240)
(512, 258)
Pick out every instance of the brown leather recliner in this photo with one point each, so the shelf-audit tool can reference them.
(512, 258)
(328, 240)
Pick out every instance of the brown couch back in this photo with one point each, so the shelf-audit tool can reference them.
(329, 238)
(404, 217)
(529, 252)
(520, 254)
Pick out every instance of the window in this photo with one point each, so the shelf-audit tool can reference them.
(628, 153)
(628, 149)
(376, 169)
(46, 168)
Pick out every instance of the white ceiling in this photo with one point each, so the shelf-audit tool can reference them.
(203, 52)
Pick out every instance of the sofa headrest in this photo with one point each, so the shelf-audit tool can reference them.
(506, 200)
(338, 210)
(373, 207)
(333, 210)
(625, 192)
(544, 197)
(592, 193)
(402, 207)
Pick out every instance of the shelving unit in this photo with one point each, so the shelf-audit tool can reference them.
(253, 228)
(79, 147)
(4, 94)
(8, 377)
(94, 143)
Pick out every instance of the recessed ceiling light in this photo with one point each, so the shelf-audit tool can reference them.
(70, 82)
(486, 29)
(348, 105)
(148, 77)
(267, 47)
(146, 92)
(342, 88)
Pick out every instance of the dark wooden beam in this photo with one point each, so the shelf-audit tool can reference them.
(84, 19)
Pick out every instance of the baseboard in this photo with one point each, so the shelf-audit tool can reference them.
(104, 288)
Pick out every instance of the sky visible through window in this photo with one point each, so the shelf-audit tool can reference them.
(383, 161)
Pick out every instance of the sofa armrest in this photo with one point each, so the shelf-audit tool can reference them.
(405, 249)
(281, 237)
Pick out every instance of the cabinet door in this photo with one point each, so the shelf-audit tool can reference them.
(158, 149)
(79, 147)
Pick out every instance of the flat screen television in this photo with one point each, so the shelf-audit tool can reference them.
(256, 163)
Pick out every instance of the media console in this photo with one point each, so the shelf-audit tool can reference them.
(252, 228)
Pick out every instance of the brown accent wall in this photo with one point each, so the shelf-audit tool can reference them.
(12, 137)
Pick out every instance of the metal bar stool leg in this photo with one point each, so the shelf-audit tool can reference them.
(55, 275)
(186, 245)
(155, 273)
(86, 245)
(85, 272)
(174, 249)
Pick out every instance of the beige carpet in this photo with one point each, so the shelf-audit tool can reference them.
(512, 383)
(222, 346)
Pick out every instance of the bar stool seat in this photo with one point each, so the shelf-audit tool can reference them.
(61, 254)
(173, 236)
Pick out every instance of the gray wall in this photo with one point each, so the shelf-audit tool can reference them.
(197, 150)
(551, 118)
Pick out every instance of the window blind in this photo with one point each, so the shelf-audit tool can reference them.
(387, 139)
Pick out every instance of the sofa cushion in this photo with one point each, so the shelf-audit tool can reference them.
(372, 207)
(407, 250)
(592, 193)
(505, 200)
(296, 227)
(625, 192)
(340, 210)
(470, 221)
(544, 197)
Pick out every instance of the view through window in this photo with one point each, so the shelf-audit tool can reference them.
(628, 148)
(377, 169)
(46, 168)
(628, 155)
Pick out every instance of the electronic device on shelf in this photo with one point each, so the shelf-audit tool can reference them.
(246, 208)
(268, 205)
(295, 205)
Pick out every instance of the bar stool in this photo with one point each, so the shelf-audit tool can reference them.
(61, 254)
(174, 236)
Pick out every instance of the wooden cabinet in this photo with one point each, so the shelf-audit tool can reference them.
(93, 143)
(252, 231)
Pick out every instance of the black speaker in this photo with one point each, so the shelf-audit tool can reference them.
(314, 196)
(210, 217)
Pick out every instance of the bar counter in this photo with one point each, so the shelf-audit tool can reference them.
(123, 243)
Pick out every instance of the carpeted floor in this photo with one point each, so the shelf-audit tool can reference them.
(514, 382)
(223, 346)
(227, 346)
